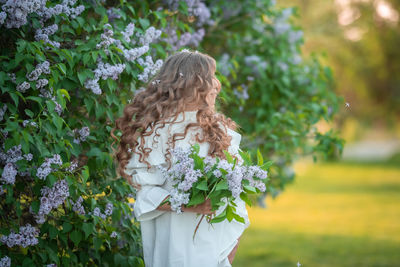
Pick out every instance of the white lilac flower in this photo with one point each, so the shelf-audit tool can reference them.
(217, 173)
(178, 199)
(45, 169)
(9, 173)
(5, 262)
(45, 13)
(128, 32)
(27, 236)
(1, 190)
(51, 198)
(106, 70)
(186, 39)
(96, 211)
(113, 234)
(149, 36)
(93, 85)
(22, 87)
(209, 162)
(150, 67)
(224, 65)
(3, 111)
(51, 265)
(32, 123)
(106, 37)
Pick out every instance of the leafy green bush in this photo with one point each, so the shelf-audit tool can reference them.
(67, 71)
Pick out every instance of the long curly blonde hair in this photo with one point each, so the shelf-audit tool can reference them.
(185, 77)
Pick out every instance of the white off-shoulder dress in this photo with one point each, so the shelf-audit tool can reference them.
(166, 235)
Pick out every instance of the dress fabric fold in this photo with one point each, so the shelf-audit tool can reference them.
(167, 236)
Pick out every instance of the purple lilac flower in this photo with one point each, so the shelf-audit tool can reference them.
(41, 83)
(77, 206)
(51, 198)
(45, 169)
(73, 166)
(109, 209)
(9, 173)
(43, 34)
(22, 87)
(5, 262)
(3, 111)
(27, 236)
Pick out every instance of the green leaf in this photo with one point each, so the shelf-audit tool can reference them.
(267, 164)
(196, 199)
(219, 218)
(229, 213)
(202, 185)
(53, 232)
(66, 227)
(250, 188)
(245, 198)
(238, 218)
(62, 68)
(29, 113)
(88, 228)
(85, 174)
(260, 160)
(76, 237)
(228, 156)
(222, 185)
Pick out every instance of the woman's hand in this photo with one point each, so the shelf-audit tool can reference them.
(203, 208)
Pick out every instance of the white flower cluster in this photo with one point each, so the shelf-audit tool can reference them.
(113, 234)
(43, 34)
(103, 71)
(5, 261)
(128, 32)
(51, 198)
(149, 36)
(27, 236)
(243, 94)
(45, 169)
(150, 68)
(15, 12)
(10, 158)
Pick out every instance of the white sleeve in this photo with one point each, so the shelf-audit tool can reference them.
(151, 193)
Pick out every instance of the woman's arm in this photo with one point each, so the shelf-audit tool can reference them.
(204, 208)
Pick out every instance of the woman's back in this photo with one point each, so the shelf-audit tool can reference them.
(167, 236)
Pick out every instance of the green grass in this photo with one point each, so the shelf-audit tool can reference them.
(333, 215)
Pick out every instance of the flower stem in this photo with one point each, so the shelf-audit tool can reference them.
(197, 227)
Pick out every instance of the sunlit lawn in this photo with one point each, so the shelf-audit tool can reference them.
(333, 215)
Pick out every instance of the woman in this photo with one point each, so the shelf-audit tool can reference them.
(177, 109)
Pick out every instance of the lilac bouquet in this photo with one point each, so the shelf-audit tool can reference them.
(195, 179)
